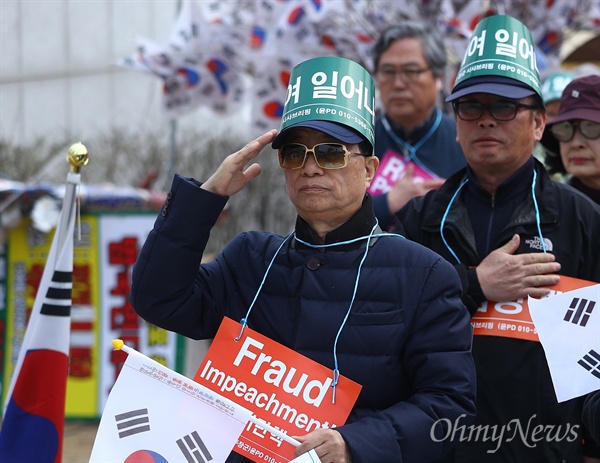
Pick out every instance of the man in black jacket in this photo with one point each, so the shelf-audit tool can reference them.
(511, 232)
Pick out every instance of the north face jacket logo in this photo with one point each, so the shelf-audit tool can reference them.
(533, 244)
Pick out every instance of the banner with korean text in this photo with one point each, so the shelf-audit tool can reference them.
(121, 238)
(512, 319)
(28, 250)
(105, 248)
(288, 391)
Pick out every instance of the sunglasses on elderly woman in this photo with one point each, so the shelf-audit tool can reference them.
(564, 131)
(327, 155)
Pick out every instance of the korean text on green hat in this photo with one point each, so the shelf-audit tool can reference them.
(331, 89)
(501, 46)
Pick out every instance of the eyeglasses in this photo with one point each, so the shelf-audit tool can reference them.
(386, 76)
(327, 155)
(499, 110)
(565, 131)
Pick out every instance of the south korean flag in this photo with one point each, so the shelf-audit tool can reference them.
(155, 414)
(568, 325)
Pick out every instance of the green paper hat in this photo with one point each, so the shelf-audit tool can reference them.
(554, 84)
(332, 94)
(500, 59)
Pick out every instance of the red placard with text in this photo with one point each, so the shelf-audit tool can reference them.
(512, 319)
(289, 391)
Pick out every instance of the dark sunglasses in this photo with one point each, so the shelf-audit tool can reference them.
(327, 155)
(565, 131)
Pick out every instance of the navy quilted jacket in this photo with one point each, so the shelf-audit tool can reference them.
(407, 340)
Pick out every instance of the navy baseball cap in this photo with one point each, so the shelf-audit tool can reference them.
(495, 85)
(338, 131)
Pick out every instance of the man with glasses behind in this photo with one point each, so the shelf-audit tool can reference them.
(511, 232)
(416, 141)
(371, 306)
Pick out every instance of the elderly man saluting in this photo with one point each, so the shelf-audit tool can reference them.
(371, 306)
(511, 232)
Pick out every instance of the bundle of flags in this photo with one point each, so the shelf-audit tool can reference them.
(33, 423)
(222, 54)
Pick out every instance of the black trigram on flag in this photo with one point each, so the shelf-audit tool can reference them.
(579, 311)
(192, 446)
(591, 362)
(58, 297)
(133, 422)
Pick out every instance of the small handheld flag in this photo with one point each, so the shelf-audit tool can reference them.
(153, 410)
(568, 325)
(154, 413)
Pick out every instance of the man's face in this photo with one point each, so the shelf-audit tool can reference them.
(328, 196)
(498, 148)
(407, 101)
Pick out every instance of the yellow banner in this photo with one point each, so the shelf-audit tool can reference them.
(28, 251)
(103, 258)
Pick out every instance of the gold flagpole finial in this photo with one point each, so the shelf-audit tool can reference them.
(77, 157)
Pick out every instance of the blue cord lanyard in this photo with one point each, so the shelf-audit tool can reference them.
(535, 206)
(412, 149)
(369, 237)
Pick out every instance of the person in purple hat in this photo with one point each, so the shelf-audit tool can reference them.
(577, 128)
(547, 149)
(511, 232)
(374, 307)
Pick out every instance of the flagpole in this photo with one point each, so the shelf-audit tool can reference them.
(35, 402)
(77, 156)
